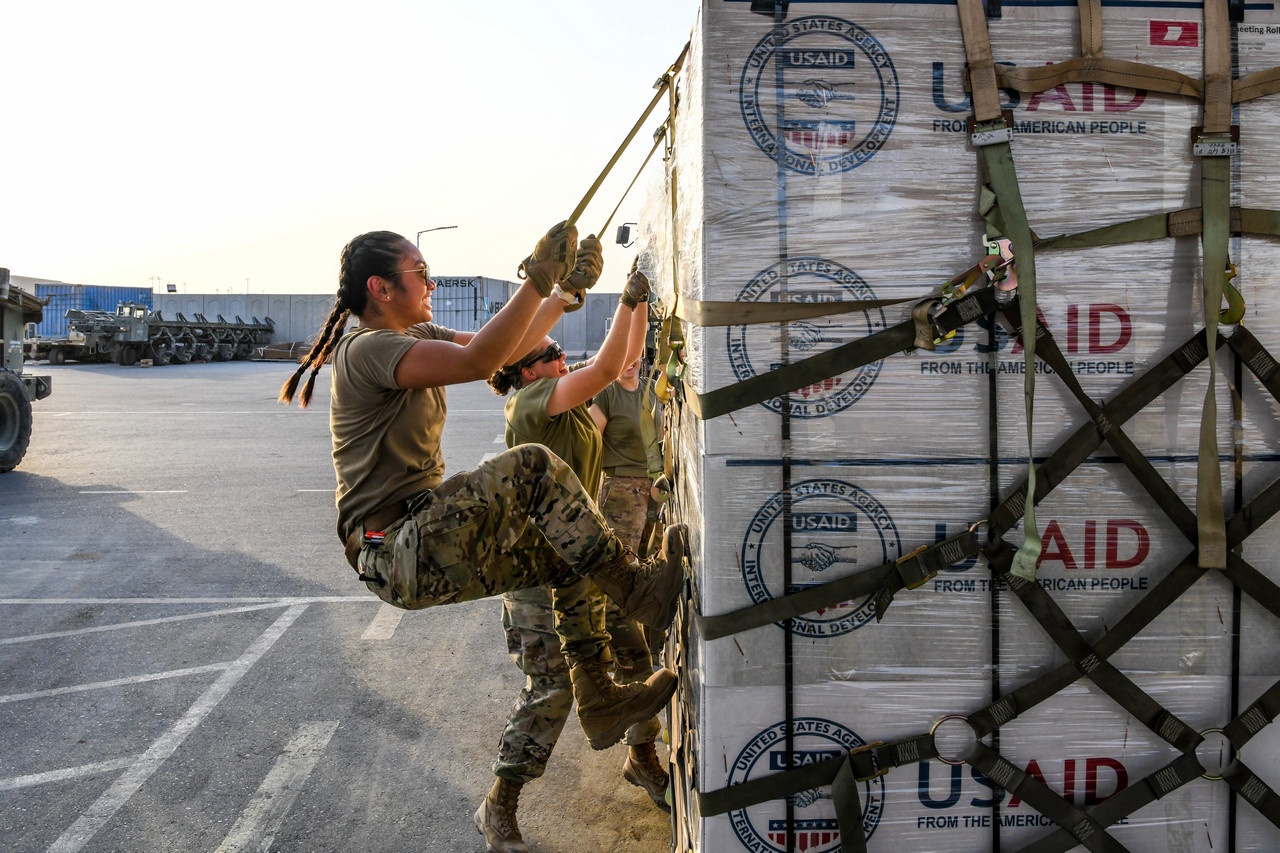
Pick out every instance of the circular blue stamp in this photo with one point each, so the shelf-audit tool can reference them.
(759, 348)
(837, 529)
(819, 95)
(814, 828)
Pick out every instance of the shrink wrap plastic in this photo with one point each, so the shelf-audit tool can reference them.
(824, 158)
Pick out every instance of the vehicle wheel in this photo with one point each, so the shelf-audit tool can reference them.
(15, 421)
(128, 356)
(57, 356)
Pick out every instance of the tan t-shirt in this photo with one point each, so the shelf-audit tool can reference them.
(386, 439)
(625, 451)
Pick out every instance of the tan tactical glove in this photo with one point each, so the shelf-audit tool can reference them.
(637, 289)
(587, 270)
(555, 254)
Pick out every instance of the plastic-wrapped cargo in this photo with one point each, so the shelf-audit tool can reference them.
(860, 668)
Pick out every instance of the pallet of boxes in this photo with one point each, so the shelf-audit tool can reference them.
(920, 261)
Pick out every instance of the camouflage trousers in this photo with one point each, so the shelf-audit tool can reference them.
(544, 704)
(521, 519)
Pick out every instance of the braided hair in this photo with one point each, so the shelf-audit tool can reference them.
(375, 253)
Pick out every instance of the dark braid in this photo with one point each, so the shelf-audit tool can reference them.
(375, 253)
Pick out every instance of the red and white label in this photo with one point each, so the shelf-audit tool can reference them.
(1175, 33)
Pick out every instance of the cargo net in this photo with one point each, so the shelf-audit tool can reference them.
(1077, 826)
(966, 300)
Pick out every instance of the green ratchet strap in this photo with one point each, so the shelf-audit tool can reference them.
(1087, 831)
(1140, 793)
(833, 362)
(885, 581)
(754, 313)
(1213, 145)
(663, 83)
(992, 133)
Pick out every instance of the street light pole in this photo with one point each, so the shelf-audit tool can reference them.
(426, 230)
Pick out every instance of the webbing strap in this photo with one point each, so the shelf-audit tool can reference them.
(1159, 784)
(1255, 718)
(663, 84)
(998, 158)
(1071, 453)
(1256, 357)
(885, 581)
(1027, 696)
(753, 313)
(1134, 459)
(1215, 198)
(855, 766)
(1099, 69)
(1248, 785)
(1160, 720)
(833, 362)
(775, 786)
(1256, 85)
(1084, 828)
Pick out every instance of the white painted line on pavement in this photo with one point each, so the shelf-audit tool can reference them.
(258, 824)
(115, 682)
(15, 782)
(96, 816)
(117, 626)
(384, 623)
(136, 492)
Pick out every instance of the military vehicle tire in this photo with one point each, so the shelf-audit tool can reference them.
(57, 356)
(127, 357)
(15, 420)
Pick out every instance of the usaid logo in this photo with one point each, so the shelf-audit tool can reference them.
(819, 95)
(836, 529)
(815, 828)
(758, 348)
(1175, 33)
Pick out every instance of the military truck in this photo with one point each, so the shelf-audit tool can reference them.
(134, 333)
(17, 389)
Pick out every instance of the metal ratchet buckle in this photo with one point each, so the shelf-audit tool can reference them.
(876, 770)
(924, 580)
(1003, 275)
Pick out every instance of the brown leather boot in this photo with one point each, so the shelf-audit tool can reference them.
(643, 770)
(606, 709)
(496, 818)
(646, 591)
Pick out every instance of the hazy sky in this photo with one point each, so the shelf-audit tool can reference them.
(207, 144)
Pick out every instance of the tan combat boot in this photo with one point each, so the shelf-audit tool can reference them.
(496, 818)
(606, 709)
(643, 770)
(646, 591)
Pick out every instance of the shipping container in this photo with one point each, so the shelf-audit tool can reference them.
(82, 297)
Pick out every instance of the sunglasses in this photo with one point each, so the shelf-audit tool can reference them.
(423, 272)
(548, 355)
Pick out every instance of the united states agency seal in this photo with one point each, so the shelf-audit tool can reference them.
(819, 95)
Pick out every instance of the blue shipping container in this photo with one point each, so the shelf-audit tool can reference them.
(83, 297)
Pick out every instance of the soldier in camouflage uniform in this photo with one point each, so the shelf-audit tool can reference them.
(549, 405)
(521, 519)
(624, 412)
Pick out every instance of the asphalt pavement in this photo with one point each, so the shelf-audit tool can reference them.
(189, 664)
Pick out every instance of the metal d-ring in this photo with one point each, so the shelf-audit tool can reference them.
(934, 728)
(1217, 730)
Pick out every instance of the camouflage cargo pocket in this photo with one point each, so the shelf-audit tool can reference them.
(394, 564)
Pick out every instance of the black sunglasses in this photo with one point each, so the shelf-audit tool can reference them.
(548, 355)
